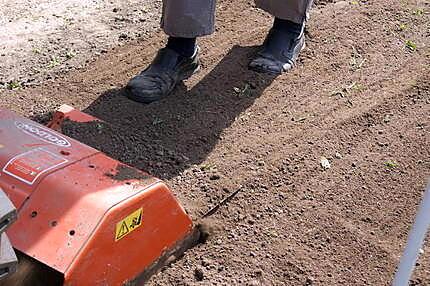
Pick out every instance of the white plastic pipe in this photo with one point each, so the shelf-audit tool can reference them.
(415, 242)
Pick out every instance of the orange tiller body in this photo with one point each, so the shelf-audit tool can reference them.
(74, 215)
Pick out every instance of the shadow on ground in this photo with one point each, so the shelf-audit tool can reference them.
(166, 137)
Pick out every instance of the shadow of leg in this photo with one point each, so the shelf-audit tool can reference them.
(165, 137)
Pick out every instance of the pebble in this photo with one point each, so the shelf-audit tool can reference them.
(198, 274)
(309, 281)
(341, 5)
(123, 36)
(214, 177)
(206, 262)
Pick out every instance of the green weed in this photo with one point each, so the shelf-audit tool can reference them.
(411, 45)
(391, 164)
(13, 85)
(55, 61)
(70, 54)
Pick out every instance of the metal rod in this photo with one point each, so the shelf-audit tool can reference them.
(415, 241)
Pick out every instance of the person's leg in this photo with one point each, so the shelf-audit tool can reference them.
(296, 11)
(188, 18)
(183, 21)
(285, 40)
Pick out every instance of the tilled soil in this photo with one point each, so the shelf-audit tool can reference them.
(40, 39)
(360, 97)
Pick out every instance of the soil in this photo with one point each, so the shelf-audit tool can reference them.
(125, 173)
(40, 39)
(32, 273)
(360, 97)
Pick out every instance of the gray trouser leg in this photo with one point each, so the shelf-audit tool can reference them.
(293, 10)
(188, 18)
(195, 18)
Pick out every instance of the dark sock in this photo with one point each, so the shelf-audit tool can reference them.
(280, 25)
(183, 46)
(280, 35)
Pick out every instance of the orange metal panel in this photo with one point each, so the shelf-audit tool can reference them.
(76, 199)
(104, 261)
(73, 201)
(22, 139)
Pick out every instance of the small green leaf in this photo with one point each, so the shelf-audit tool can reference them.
(391, 164)
(418, 12)
(13, 85)
(157, 121)
(55, 61)
(70, 54)
(403, 27)
(207, 167)
(411, 45)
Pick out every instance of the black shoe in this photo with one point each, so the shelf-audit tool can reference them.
(279, 53)
(163, 74)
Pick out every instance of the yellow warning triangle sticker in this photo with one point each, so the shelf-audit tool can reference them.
(123, 231)
(129, 224)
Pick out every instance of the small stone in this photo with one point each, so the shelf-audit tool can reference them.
(338, 155)
(214, 177)
(325, 163)
(309, 281)
(206, 262)
(341, 5)
(387, 118)
(198, 274)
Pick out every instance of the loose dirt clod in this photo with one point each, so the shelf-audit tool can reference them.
(208, 228)
(199, 274)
